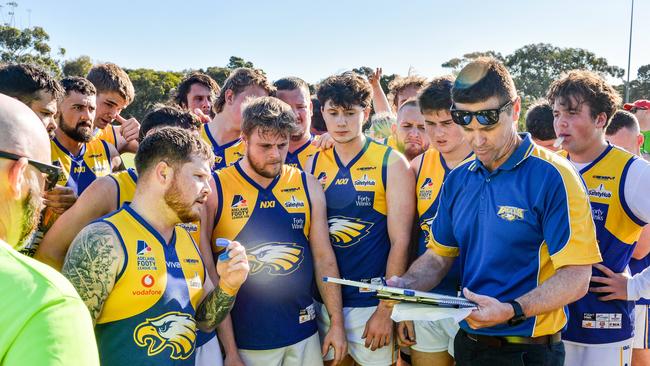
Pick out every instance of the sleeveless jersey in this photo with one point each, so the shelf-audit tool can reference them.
(107, 134)
(126, 181)
(79, 171)
(224, 155)
(356, 214)
(148, 318)
(274, 307)
(299, 158)
(433, 172)
(617, 229)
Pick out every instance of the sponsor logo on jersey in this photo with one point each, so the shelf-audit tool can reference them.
(238, 155)
(195, 282)
(294, 203)
(239, 207)
(603, 177)
(267, 204)
(147, 280)
(365, 181)
(347, 231)
(364, 168)
(298, 223)
(363, 200)
(600, 192)
(275, 258)
(292, 189)
(93, 156)
(191, 260)
(426, 189)
(510, 213)
(145, 259)
(191, 227)
(218, 159)
(173, 333)
(341, 181)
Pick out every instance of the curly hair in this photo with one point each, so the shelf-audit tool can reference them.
(180, 96)
(268, 115)
(345, 90)
(399, 84)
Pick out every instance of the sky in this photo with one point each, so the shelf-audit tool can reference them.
(313, 39)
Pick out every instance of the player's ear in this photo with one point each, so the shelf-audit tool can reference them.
(163, 172)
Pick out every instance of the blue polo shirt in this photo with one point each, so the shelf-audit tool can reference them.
(514, 227)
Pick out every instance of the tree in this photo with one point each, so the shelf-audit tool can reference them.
(79, 66)
(455, 64)
(220, 74)
(535, 66)
(235, 62)
(640, 87)
(151, 87)
(28, 45)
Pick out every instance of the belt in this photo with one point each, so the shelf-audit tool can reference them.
(500, 341)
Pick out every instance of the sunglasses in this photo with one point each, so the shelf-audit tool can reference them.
(485, 117)
(52, 172)
(635, 109)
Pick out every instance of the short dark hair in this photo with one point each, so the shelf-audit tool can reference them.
(539, 120)
(175, 146)
(238, 81)
(24, 81)
(79, 85)
(291, 83)
(436, 95)
(583, 86)
(345, 90)
(317, 121)
(399, 84)
(111, 78)
(268, 115)
(168, 116)
(180, 97)
(622, 119)
(481, 79)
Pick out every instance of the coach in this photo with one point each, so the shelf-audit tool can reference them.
(518, 219)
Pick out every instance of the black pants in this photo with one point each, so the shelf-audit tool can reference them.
(471, 353)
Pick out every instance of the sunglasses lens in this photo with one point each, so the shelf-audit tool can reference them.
(457, 117)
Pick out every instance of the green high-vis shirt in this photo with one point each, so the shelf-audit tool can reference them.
(43, 320)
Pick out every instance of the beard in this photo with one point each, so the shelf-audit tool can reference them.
(174, 199)
(263, 169)
(78, 133)
(32, 208)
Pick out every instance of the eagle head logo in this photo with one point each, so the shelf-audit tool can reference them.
(173, 330)
(425, 226)
(276, 258)
(347, 231)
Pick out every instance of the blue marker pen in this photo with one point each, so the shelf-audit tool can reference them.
(223, 243)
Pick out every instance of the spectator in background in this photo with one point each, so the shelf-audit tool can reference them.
(36, 88)
(403, 88)
(539, 123)
(317, 122)
(196, 93)
(43, 320)
(641, 110)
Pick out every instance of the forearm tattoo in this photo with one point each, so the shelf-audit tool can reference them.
(214, 308)
(91, 265)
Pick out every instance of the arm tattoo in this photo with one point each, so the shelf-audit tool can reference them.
(91, 265)
(214, 308)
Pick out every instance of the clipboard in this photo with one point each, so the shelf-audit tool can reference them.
(407, 295)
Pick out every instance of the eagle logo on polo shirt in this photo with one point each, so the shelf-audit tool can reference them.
(511, 213)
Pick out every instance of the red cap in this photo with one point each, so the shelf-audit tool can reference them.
(641, 103)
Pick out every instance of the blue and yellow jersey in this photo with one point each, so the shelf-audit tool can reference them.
(148, 317)
(274, 307)
(357, 216)
(617, 229)
(511, 233)
(224, 155)
(106, 134)
(93, 161)
(430, 177)
(298, 159)
(126, 181)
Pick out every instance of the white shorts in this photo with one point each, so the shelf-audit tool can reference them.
(354, 320)
(209, 354)
(577, 354)
(641, 326)
(306, 352)
(438, 336)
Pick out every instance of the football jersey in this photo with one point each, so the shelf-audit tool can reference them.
(126, 181)
(148, 317)
(274, 307)
(433, 172)
(357, 216)
(298, 159)
(224, 155)
(106, 134)
(92, 162)
(593, 321)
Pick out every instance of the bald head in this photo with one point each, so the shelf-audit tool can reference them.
(23, 132)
